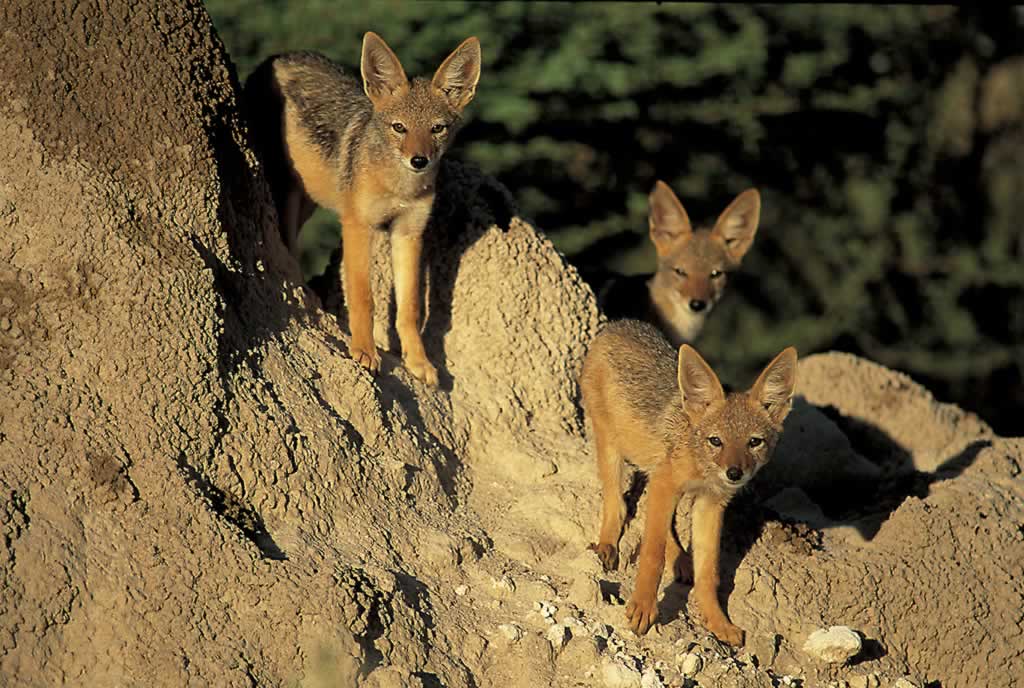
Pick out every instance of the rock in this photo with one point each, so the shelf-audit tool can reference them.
(504, 585)
(650, 679)
(618, 675)
(393, 677)
(558, 635)
(864, 681)
(461, 590)
(585, 590)
(691, 664)
(905, 682)
(512, 632)
(834, 645)
(547, 610)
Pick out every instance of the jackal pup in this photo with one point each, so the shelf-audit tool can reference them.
(693, 265)
(690, 438)
(368, 151)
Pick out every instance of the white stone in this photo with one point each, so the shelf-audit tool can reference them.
(512, 632)
(904, 683)
(558, 636)
(461, 590)
(691, 664)
(834, 645)
(617, 675)
(650, 679)
(504, 584)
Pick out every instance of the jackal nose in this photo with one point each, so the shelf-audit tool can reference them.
(696, 305)
(734, 474)
(419, 162)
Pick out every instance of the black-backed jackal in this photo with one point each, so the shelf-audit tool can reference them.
(670, 417)
(693, 265)
(368, 150)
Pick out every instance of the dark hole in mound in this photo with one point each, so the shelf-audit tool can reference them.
(867, 503)
(870, 442)
(610, 591)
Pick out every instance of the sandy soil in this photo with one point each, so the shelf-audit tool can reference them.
(199, 487)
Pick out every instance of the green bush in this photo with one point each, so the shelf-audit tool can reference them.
(886, 142)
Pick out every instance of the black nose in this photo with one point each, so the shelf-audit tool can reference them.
(419, 162)
(734, 474)
(697, 306)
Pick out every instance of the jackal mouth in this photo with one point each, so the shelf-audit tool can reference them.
(735, 485)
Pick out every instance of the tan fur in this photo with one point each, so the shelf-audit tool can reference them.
(693, 265)
(369, 151)
(658, 412)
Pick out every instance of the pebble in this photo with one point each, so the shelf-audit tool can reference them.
(585, 590)
(690, 664)
(512, 632)
(650, 679)
(558, 636)
(834, 645)
(904, 683)
(546, 610)
(863, 681)
(617, 675)
(504, 584)
(461, 590)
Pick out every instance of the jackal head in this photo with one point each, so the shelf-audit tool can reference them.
(733, 436)
(693, 265)
(418, 119)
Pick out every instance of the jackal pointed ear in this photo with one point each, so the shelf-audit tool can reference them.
(737, 224)
(774, 386)
(383, 76)
(697, 382)
(666, 218)
(458, 75)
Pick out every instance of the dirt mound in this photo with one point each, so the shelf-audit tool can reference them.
(199, 487)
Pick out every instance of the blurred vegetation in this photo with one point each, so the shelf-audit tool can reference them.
(887, 142)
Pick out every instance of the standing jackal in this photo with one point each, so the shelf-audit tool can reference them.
(690, 438)
(693, 265)
(368, 151)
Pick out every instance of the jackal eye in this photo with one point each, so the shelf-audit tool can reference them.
(680, 272)
(715, 441)
(755, 442)
(438, 128)
(715, 274)
(399, 127)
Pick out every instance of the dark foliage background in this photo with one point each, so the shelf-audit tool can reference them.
(887, 143)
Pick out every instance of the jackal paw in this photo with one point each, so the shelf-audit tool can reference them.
(727, 633)
(641, 612)
(608, 555)
(367, 357)
(422, 370)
